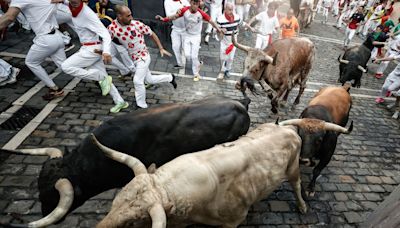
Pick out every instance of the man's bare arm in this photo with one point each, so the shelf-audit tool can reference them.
(9, 17)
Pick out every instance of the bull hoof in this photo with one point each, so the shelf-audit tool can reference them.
(303, 208)
(310, 193)
(283, 104)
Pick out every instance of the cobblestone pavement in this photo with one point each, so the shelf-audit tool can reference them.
(363, 171)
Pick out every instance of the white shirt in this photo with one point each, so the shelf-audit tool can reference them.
(193, 21)
(132, 38)
(39, 13)
(171, 7)
(89, 28)
(268, 24)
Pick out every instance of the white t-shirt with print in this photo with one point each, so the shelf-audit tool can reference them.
(132, 37)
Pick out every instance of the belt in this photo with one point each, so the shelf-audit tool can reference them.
(91, 43)
(52, 31)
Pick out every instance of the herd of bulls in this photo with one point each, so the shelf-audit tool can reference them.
(181, 164)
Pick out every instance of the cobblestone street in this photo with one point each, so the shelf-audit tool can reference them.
(364, 170)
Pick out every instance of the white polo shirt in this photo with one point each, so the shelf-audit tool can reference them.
(39, 13)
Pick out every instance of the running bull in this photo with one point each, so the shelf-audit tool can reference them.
(332, 105)
(353, 63)
(212, 187)
(278, 75)
(155, 135)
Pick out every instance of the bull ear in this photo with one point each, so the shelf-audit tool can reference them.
(152, 168)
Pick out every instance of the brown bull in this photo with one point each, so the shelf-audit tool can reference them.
(277, 75)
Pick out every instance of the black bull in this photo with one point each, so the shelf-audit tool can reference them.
(155, 135)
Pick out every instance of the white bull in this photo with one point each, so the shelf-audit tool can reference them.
(214, 187)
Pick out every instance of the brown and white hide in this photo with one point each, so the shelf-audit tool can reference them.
(282, 65)
(215, 186)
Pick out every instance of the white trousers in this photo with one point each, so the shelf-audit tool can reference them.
(374, 53)
(392, 83)
(178, 39)
(370, 25)
(120, 51)
(49, 45)
(226, 59)
(216, 11)
(143, 74)
(5, 70)
(384, 64)
(262, 41)
(325, 12)
(96, 71)
(243, 11)
(191, 47)
(349, 34)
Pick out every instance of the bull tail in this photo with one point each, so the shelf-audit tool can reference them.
(246, 82)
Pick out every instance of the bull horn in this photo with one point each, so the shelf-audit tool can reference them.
(269, 59)
(337, 128)
(295, 122)
(49, 151)
(240, 46)
(66, 191)
(135, 164)
(343, 60)
(158, 216)
(362, 68)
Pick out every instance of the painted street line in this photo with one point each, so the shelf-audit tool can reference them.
(17, 140)
(16, 105)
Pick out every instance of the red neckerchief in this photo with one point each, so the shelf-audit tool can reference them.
(76, 11)
(229, 18)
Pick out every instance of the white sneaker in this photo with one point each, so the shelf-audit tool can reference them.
(207, 38)
(12, 78)
(396, 115)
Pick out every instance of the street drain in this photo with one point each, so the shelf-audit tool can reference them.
(20, 118)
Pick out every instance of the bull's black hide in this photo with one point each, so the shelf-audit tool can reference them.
(155, 135)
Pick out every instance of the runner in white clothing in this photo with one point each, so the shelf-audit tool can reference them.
(48, 41)
(178, 29)
(215, 12)
(193, 18)
(269, 25)
(229, 23)
(130, 33)
(89, 29)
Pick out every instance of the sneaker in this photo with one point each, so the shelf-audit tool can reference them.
(173, 82)
(105, 85)
(12, 78)
(51, 94)
(378, 75)
(379, 100)
(390, 106)
(69, 47)
(196, 78)
(177, 67)
(207, 38)
(396, 115)
(119, 106)
(227, 74)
